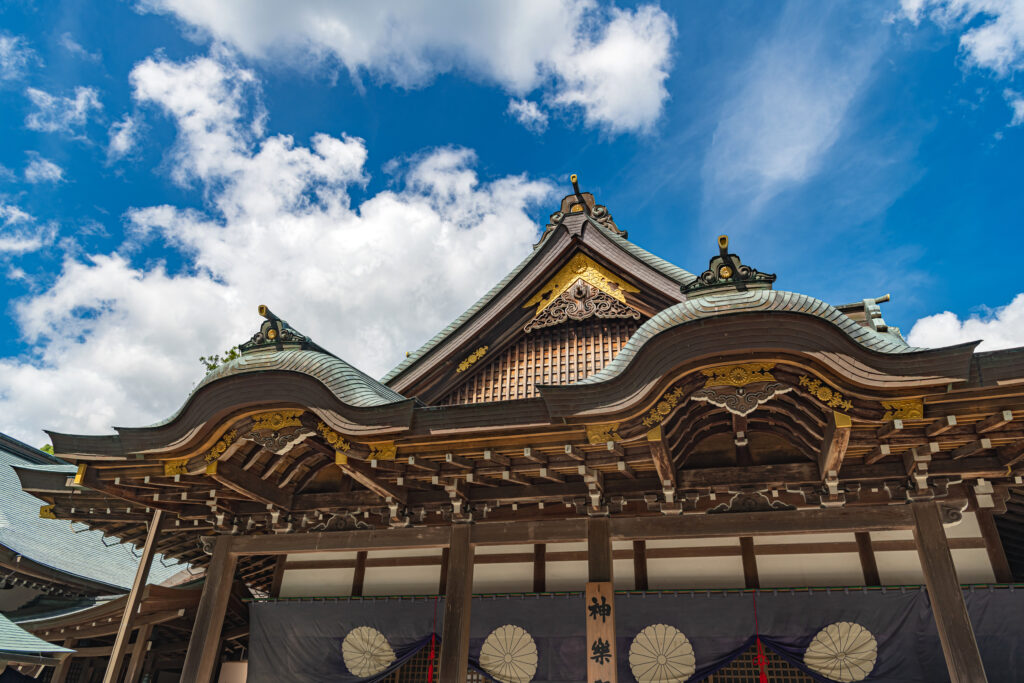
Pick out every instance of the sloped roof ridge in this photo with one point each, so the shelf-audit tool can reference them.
(667, 269)
(348, 383)
(749, 301)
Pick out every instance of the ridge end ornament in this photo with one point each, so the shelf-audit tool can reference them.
(726, 271)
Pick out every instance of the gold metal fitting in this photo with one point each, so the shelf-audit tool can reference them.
(723, 241)
(263, 310)
(572, 178)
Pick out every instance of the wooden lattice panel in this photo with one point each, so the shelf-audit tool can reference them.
(744, 669)
(416, 668)
(556, 355)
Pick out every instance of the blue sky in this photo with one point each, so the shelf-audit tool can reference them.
(368, 171)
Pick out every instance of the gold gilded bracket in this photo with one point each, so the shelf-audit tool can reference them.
(602, 434)
(173, 467)
(911, 409)
(80, 475)
(46, 512)
(384, 450)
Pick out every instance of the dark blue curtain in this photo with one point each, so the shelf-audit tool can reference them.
(300, 641)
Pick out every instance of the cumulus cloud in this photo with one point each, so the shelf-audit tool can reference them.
(789, 108)
(994, 35)
(611, 63)
(56, 114)
(123, 137)
(40, 170)
(20, 234)
(529, 114)
(117, 343)
(1000, 328)
(15, 56)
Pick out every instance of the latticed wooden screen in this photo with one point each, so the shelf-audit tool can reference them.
(744, 669)
(415, 671)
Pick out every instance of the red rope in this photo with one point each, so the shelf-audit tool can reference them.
(762, 661)
(433, 645)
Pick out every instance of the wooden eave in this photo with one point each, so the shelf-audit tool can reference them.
(500, 321)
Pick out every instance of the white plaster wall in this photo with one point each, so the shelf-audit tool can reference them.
(695, 572)
(805, 538)
(973, 565)
(233, 672)
(316, 583)
(820, 569)
(898, 567)
(565, 575)
(513, 577)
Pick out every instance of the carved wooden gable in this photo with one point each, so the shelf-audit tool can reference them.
(582, 318)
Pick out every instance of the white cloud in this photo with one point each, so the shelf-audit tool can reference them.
(1001, 328)
(789, 107)
(117, 343)
(1016, 102)
(74, 47)
(40, 170)
(123, 137)
(529, 114)
(7, 174)
(56, 114)
(995, 37)
(611, 63)
(20, 234)
(15, 56)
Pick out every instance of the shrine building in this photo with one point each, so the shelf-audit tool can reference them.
(608, 469)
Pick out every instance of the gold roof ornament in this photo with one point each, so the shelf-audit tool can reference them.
(581, 267)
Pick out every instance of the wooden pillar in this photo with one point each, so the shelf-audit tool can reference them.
(958, 643)
(443, 583)
(599, 549)
(458, 596)
(539, 567)
(868, 564)
(201, 657)
(993, 544)
(131, 609)
(139, 651)
(750, 577)
(60, 672)
(640, 565)
(359, 573)
(275, 582)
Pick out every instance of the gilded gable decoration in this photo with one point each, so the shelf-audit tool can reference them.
(579, 302)
(581, 268)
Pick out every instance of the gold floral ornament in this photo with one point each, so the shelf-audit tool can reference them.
(279, 419)
(825, 393)
(602, 434)
(903, 410)
(333, 438)
(659, 412)
(738, 375)
(471, 359)
(221, 446)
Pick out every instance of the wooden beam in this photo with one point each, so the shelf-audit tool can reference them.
(640, 565)
(599, 549)
(454, 660)
(378, 486)
(750, 577)
(443, 583)
(971, 448)
(131, 608)
(248, 484)
(940, 426)
(201, 657)
(868, 564)
(539, 567)
(833, 445)
(139, 651)
(60, 672)
(278, 579)
(662, 462)
(954, 625)
(994, 422)
(359, 573)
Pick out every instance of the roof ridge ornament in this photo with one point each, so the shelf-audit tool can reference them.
(580, 202)
(276, 333)
(727, 271)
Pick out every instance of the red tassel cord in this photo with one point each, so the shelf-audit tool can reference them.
(433, 646)
(762, 660)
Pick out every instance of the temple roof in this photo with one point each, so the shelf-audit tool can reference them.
(71, 550)
(721, 303)
(14, 640)
(574, 222)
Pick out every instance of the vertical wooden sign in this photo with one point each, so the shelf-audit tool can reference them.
(600, 608)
